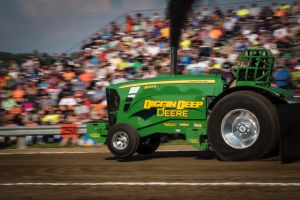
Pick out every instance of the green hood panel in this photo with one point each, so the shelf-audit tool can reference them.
(178, 79)
(166, 104)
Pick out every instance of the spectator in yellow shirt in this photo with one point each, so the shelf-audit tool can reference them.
(243, 12)
(186, 43)
(52, 118)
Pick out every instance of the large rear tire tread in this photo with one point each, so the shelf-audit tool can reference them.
(264, 111)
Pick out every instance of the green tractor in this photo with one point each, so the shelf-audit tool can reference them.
(238, 119)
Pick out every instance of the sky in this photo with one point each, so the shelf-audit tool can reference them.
(55, 26)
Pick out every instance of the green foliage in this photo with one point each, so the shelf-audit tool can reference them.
(7, 57)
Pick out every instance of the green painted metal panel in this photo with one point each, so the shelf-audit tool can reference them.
(166, 105)
(97, 131)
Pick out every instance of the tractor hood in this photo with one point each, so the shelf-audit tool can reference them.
(132, 97)
(171, 80)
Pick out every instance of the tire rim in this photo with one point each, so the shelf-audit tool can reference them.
(120, 140)
(240, 129)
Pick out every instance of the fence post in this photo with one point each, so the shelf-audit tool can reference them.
(21, 142)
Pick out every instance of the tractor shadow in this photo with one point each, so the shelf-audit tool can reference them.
(202, 155)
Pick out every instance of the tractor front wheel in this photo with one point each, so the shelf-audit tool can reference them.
(122, 140)
(243, 126)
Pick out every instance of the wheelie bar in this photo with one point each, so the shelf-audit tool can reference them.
(289, 116)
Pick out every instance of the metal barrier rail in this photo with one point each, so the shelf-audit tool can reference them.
(22, 131)
(36, 130)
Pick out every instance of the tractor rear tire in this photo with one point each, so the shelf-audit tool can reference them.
(149, 144)
(242, 126)
(122, 140)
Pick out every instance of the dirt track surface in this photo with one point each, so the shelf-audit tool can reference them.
(188, 166)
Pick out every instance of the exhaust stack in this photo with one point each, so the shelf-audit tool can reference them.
(173, 60)
(177, 12)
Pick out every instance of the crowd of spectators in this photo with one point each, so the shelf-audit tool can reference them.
(72, 90)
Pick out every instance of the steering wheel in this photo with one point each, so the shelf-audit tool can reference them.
(234, 75)
(233, 72)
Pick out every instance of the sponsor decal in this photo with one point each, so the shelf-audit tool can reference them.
(170, 124)
(172, 108)
(94, 135)
(184, 124)
(197, 125)
(132, 92)
(150, 87)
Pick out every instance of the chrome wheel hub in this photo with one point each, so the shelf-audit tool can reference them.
(240, 128)
(120, 140)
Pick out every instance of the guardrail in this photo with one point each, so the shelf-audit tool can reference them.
(22, 131)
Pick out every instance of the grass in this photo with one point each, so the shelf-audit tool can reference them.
(12, 146)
